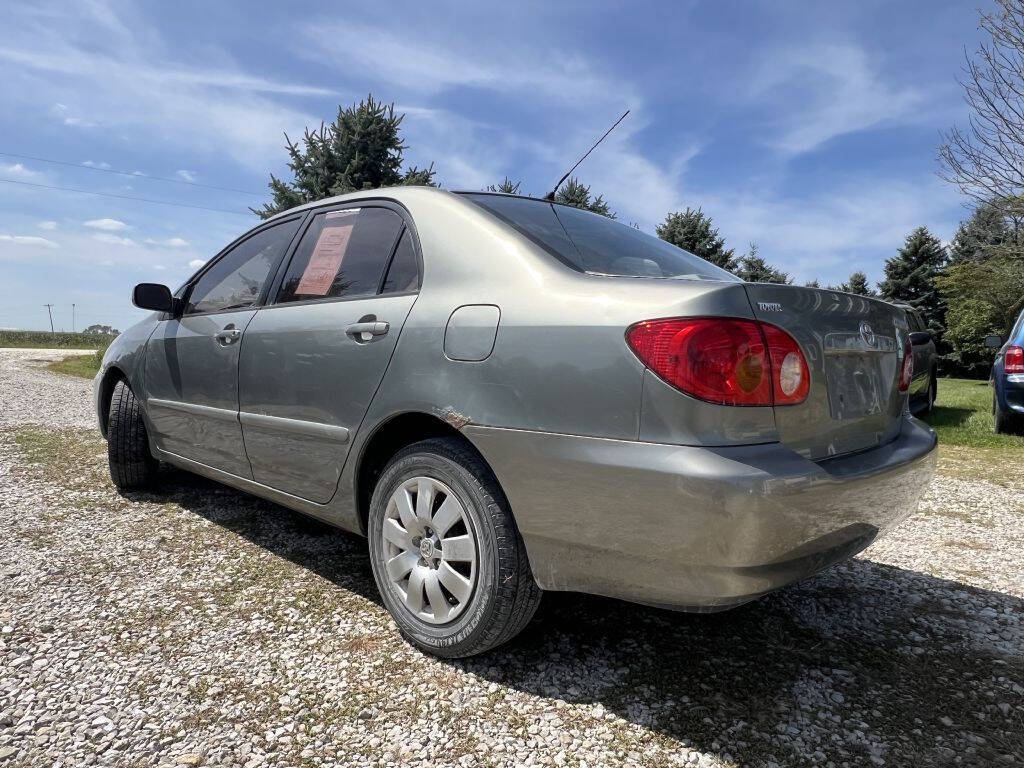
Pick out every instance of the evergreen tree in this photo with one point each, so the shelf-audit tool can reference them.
(577, 195)
(910, 277)
(858, 283)
(507, 186)
(982, 235)
(754, 269)
(693, 231)
(812, 284)
(361, 149)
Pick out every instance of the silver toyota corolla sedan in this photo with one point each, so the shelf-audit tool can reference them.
(507, 395)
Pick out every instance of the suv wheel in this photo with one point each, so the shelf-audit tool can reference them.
(446, 554)
(132, 466)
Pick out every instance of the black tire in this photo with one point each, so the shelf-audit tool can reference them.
(132, 466)
(505, 596)
(1006, 423)
(933, 392)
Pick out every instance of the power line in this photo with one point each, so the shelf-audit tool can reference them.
(121, 197)
(133, 174)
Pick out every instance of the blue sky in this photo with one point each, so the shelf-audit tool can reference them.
(810, 128)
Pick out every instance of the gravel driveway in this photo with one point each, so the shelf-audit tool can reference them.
(201, 626)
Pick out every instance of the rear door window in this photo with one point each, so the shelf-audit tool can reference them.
(342, 254)
(404, 271)
(597, 244)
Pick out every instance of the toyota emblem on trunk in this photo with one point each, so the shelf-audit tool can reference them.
(867, 334)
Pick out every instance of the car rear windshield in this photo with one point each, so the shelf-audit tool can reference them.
(597, 244)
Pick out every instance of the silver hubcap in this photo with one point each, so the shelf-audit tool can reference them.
(429, 550)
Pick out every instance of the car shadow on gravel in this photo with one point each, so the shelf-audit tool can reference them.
(865, 663)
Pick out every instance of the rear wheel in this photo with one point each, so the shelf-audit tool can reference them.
(1006, 423)
(132, 466)
(446, 554)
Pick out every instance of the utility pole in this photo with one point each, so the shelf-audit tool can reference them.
(50, 313)
(72, 317)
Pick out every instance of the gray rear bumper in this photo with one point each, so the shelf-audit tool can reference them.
(697, 528)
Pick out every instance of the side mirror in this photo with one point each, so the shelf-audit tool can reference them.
(153, 296)
(993, 341)
(920, 337)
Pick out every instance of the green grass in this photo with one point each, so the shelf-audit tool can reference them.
(44, 340)
(86, 366)
(963, 417)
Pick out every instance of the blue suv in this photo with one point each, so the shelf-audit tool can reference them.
(1008, 380)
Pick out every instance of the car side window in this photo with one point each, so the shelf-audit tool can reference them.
(236, 280)
(342, 254)
(403, 272)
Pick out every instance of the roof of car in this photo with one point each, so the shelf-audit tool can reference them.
(397, 193)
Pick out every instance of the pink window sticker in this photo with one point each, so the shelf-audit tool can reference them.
(318, 277)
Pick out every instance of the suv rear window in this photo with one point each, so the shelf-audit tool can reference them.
(596, 244)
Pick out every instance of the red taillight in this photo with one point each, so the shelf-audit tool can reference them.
(791, 379)
(723, 360)
(907, 370)
(1013, 360)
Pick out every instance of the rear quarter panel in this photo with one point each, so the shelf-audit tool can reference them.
(560, 362)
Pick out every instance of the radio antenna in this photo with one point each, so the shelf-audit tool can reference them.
(551, 195)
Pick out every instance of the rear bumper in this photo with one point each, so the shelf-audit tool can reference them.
(697, 528)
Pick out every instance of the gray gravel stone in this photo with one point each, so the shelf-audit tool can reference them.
(198, 623)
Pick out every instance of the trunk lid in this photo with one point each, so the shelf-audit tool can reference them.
(854, 350)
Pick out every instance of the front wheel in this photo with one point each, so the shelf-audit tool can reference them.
(447, 557)
(132, 466)
(932, 394)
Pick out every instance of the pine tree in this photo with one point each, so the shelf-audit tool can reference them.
(507, 186)
(910, 278)
(982, 235)
(754, 269)
(693, 231)
(576, 194)
(361, 149)
(858, 284)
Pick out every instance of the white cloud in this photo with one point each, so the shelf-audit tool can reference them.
(107, 225)
(129, 80)
(49, 225)
(28, 240)
(185, 175)
(19, 171)
(105, 237)
(821, 91)
(92, 164)
(424, 67)
(159, 267)
(856, 226)
(196, 263)
(173, 242)
(79, 122)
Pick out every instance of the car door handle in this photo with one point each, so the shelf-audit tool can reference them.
(228, 336)
(362, 330)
